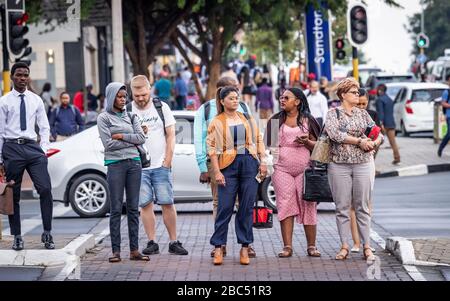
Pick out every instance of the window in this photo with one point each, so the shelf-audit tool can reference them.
(426, 95)
(184, 130)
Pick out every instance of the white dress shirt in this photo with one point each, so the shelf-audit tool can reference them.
(10, 119)
(318, 105)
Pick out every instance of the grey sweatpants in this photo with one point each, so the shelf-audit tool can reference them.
(352, 186)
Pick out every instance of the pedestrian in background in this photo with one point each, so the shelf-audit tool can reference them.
(445, 102)
(246, 85)
(363, 103)
(351, 171)
(229, 72)
(317, 102)
(264, 100)
(181, 92)
(296, 134)
(78, 100)
(120, 133)
(324, 89)
(235, 147)
(205, 114)
(157, 179)
(385, 110)
(20, 111)
(49, 102)
(65, 120)
(163, 87)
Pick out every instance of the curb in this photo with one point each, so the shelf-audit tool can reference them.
(67, 257)
(416, 170)
(403, 249)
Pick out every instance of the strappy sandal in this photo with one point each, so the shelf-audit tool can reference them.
(313, 252)
(287, 252)
(340, 255)
(370, 257)
(115, 258)
(139, 257)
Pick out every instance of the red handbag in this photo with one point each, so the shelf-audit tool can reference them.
(373, 132)
(262, 217)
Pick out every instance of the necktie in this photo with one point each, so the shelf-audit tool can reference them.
(23, 113)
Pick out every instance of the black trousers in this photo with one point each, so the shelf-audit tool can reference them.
(17, 158)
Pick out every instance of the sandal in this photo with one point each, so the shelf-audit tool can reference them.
(287, 252)
(341, 255)
(139, 257)
(115, 258)
(313, 252)
(370, 257)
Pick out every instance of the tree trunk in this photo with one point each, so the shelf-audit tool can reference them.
(142, 47)
(215, 62)
(183, 53)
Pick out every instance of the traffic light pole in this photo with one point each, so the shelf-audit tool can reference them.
(5, 73)
(355, 63)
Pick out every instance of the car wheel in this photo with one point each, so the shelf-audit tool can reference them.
(267, 193)
(404, 131)
(89, 196)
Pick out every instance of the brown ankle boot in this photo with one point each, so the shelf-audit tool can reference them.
(218, 256)
(244, 259)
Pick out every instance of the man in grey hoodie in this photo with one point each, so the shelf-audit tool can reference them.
(120, 133)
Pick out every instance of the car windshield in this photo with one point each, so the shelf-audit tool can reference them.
(393, 91)
(426, 95)
(184, 130)
(389, 79)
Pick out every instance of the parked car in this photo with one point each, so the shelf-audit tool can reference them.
(413, 106)
(78, 173)
(383, 78)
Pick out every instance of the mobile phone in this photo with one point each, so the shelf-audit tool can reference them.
(259, 177)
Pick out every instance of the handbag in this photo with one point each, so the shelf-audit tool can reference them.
(321, 151)
(262, 217)
(6, 198)
(315, 184)
(145, 160)
(373, 132)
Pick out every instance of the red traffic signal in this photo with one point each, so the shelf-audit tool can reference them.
(16, 30)
(340, 53)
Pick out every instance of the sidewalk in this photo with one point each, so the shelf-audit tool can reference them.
(413, 151)
(194, 232)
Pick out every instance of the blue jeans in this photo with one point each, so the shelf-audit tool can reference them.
(446, 138)
(125, 174)
(240, 180)
(156, 182)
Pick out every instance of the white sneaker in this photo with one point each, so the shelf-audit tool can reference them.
(355, 250)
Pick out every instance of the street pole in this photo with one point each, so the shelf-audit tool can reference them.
(355, 63)
(5, 74)
(117, 36)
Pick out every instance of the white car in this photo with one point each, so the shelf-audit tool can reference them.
(413, 105)
(78, 174)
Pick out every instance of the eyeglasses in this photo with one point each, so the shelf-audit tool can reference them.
(356, 93)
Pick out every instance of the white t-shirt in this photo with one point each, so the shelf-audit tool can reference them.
(318, 105)
(156, 140)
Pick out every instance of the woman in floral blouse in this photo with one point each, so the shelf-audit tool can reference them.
(351, 172)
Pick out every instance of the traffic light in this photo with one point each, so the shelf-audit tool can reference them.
(17, 28)
(340, 53)
(357, 25)
(422, 40)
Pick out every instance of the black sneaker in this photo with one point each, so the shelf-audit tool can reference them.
(177, 249)
(152, 248)
(18, 243)
(47, 240)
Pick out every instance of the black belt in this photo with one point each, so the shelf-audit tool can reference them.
(20, 141)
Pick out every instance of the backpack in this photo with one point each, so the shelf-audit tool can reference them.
(444, 110)
(158, 106)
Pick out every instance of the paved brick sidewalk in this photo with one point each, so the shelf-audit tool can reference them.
(432, 250)
(195, 231)
(413, 151)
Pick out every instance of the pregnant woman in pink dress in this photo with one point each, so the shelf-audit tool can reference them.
(297, 132)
